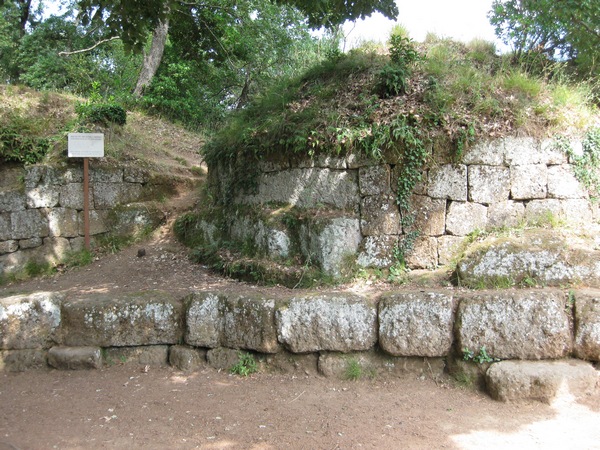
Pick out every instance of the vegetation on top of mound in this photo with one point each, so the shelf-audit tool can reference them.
(449, 91)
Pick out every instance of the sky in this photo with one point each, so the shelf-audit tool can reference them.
(461, 20)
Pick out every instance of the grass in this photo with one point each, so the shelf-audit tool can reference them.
(353, 370)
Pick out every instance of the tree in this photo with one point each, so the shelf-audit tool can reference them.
(564, 29)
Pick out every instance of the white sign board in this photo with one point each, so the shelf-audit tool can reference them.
(86, 145)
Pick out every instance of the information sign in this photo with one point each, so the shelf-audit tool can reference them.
(86, 145)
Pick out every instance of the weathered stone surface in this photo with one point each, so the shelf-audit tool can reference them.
(379, 215)
(14, 200)
(42, 197)
(587, 325)
(374, 180)
(29, 320)
(120, 320)
(430, 215)
(330, 241)
(54, 249)
(107, 195)
(489, 153)
(42, 175)
(308, 188)
(35, 242)
(8, 247)
(540, 380)
(576, 212)
(448, 182)
(63, 222)
(28, 224)
(289, 363)
(22, 360)
(467, 373)
(540, 210)
(563, 184)
(372, 364)
(550, 257)
(416, 323)
(75, 358)
(98, 222)
(521, 151)
(134, 218)
(73, 175)
(335, 322)
(151, 355)
(236, 322)
(5, 227)
(98, 175)
(515, 324)
(328, 161)
(222, 358)
(488, 184)
(187, 359)
(71, 196)
(505, 214)
(135, 175)
(448, 246)
(551, 154)
(529, 181)
(463, 218)
(424, 254)
(376, 251)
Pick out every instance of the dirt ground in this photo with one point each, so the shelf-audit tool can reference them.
(125, 407)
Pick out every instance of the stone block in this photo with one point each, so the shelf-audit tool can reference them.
(222, 358)
(23, 360)
(488, 184)
(448, 246)
(5, 227)
(424, 254)
(330, 241)
(135, 175)
(520, 151)
(463, 218)
(12, 201)
(540, 210)
(133, 218)
(102, 175)
(121, 320)
(131, 193)
(63, 222)
(42, 197)
(551, 154)
(416, 323)
(540, 380)
(75, 358)
(576, 212)
(8, 247)
(529, 181)
(187, 359)
(308, 188)
(505, 214)
(42, 175)
(374, 180)
(334, 322)
(107, 195)
(377, 251)
(430, 215)
(379, 215)
(98, 222)
(150, 355)
(489, 153)
(289, 363)
(587, 325)
(25, 244)
(515, 325)
(468, 373)
(73, 175)
(29, 321)
(420, 187)
(28, 224)
(236, 322)
(563, 184)
(71, 196)
(328, 161)
(54, 249)
(448, 182)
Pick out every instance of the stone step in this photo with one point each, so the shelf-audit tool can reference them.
(541, 380)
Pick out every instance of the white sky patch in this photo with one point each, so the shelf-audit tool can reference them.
(462, 20)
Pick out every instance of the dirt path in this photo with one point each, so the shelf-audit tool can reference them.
(123, 407)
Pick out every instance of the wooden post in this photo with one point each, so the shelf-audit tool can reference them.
(86, 203)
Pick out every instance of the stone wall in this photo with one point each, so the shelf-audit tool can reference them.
(398, 332)
(41, 210)
(497, 184)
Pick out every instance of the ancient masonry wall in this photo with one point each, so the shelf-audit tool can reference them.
(399, 332)
(497, 184)
(41, 210)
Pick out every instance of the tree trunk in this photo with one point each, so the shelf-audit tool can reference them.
(153, 58)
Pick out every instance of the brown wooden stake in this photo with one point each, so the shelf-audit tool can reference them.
(86, 203)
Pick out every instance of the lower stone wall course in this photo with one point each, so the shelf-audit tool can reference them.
(187, 359)
(120, 320)
(75, 358)
(22, 360)
(587, 325)
(150, 355)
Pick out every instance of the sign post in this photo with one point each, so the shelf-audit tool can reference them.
(86, 145)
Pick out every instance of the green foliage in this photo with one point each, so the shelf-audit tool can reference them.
(20, 142)
(245, 366)
(353, 370)
(586, 164)
(101, 113)
(35, 268)
(478, 358)
(78, 258)
(393, 77)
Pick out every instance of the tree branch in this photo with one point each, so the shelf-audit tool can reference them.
(103, 41)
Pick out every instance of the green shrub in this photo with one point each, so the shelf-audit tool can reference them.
(101, 113)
